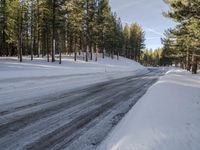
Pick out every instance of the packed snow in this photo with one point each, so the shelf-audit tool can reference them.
(167, 117)
(38, 78)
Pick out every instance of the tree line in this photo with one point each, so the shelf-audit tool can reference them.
(56, 27)
(156, 57)
(182, 43)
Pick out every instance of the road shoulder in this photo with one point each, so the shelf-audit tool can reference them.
(166, 117)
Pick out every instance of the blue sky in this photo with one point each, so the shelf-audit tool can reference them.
(147, 13)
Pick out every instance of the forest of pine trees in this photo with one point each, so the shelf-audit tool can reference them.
(150, 57)
(182, 43)
(50, 28)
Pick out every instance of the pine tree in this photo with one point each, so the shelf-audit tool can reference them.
(75, 24)
(136, 41)
(10, 36)
(102, 23)
(2, 26)
(53, 30)
(51, 27)
(126, 34)
(187, 32)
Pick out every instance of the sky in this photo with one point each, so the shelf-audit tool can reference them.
(148, 14)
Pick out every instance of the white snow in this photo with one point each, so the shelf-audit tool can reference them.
(11, 68)
(167, 117)
(38, 78)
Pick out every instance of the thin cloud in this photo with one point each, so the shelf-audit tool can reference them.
(146, 29)
(154, 31)
(152, 38)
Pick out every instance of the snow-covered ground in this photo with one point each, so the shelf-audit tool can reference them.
(11, 68)
(167, 117)
(38, 78)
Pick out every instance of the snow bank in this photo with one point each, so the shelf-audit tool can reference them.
(10, 67)
(166, 118)
(38, 79)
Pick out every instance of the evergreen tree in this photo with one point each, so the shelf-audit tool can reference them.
(51, 27)
(102, 23)
(133, 41)
(186, 34)
(2, 26)
(126, 34)
(136, 41)
(151, 57)
(75, 24)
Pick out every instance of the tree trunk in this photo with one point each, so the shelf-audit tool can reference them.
(53, 33)
(91, 52)
(194, 64)
(103, 44)
(4, 28)
(86, 54)
(95, 49)
(38, 30)
(20, 34)
(20, 48)
(117, 55)
(188, 65)
(60, 56)
(31, 30)
(47, 45)
(34, 40)
(103, 55)
(27, 39)
(75, 50)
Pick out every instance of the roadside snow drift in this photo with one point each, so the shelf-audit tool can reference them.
(38, 78)
(12, 68)
(166, 118)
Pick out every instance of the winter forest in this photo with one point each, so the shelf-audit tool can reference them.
(182, 43)
(53, 28)
(99, 74)
(86, 28)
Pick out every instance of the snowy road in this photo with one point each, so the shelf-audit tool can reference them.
(79, 119)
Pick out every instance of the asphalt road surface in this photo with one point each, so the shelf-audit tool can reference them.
(75, 120)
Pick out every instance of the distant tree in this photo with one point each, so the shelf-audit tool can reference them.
(151, 57)
(134, 38)
(126, 34)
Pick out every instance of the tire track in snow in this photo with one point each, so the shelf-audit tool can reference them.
(90, 103)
